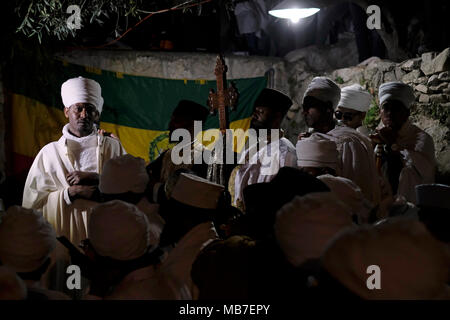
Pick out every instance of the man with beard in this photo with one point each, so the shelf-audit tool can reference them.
(68, 169)
(261, 161)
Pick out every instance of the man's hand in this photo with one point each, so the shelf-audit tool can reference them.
(85, 192)
(81, 177)
(303, 135)
(106, 134)
(388, 135)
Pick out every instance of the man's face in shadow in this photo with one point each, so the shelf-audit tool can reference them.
(81, 118)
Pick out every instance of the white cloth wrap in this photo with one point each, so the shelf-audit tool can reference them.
(26, 239)
(396, 90)
(324, 89)
(305, 225)
(355, 97)
(82, 90)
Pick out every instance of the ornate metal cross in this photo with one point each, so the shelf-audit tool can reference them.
(225, 97)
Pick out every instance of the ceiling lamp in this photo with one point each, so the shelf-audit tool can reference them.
(294, 10)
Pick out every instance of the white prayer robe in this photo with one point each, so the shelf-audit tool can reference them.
(418, 156)
(357, 161)
(262, 166)
(177, 264)
(46, 185)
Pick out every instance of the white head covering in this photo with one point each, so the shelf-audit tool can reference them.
(433, 195)
(26, 239)
(82, 90)
(196, 191)
(317, 151)
(120, 231)
(355, 97)
(350, 194)
(123, 174)
(305, 225)
(396, 90)
(413, 264)
(11, 286)
(324, 89)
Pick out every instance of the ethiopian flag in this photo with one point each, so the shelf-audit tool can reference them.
(137, 109)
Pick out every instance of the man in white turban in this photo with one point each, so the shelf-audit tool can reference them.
(411, 264)
(68, 169)
(356, 158)
(305, 225)
(27, 242)
(408, 151)
(352, 108)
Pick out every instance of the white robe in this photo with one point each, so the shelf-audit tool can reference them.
(417, 151)
(357, 161)
(46, 187)
(262, 166)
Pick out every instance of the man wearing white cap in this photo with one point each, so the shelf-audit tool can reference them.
(356, 159)
(318, 156)
(27, 242)
(409, 151)
(67, 169)
(125, 251)
(353, 106)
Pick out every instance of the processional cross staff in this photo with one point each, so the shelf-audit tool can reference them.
(219, 101)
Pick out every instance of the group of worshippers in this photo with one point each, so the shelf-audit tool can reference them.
(298, 221)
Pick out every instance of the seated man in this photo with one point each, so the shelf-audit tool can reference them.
(409, 158)
(67, 169)
(27, 242)
(125, 252)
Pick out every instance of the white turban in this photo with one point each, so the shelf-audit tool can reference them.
(396, 90)
(26, 239)
(305, 225)
(355, 97)
(82, 90)
(119, 230)
(317, 151)
(350, 194)
(123, 174)
(413, 265)
(324, 89)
